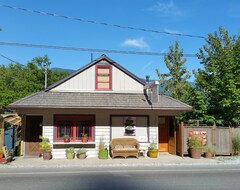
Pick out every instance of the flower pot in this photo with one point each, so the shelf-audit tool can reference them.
(81, 156)
(1, 156)
(196, 153)
(70, 155)
(153, 153)
(209, 154)
(103, 154)
(66, 140)
(84, 139)
(47, 155)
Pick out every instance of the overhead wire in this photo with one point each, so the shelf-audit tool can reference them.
(102, 23)
(5, 57)
(89, 49)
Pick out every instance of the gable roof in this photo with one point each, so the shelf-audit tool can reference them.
(101, 58)
(98, 100)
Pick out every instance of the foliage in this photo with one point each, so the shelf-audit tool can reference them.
(219, 80)
(236, 144)
(102, 145)
(18, 80)
(1, 151)
(81, 151)
(45, 145)
(210, 149)
(195, 142)
(175, 82)
(70, 150)
(84, 135)
(153, 145)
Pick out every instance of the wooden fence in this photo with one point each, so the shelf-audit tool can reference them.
(218, 137)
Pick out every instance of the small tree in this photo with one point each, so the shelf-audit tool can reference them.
(175, 82)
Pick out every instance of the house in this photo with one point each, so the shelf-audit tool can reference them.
(99, 100)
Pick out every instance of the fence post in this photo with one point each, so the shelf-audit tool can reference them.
(231, 138)
(214, 134)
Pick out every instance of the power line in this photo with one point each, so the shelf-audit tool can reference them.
(102, 23)
(7, 58)
(88, 49)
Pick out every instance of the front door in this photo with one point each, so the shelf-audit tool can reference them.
(33, 131)
(163, 134)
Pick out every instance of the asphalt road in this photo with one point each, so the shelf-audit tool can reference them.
(146, 178)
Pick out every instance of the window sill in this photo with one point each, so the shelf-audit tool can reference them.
(63, 145)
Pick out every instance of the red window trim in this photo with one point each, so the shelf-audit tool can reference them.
(74, 127)
(109, 76)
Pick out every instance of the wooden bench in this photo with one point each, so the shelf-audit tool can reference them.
(8, 154)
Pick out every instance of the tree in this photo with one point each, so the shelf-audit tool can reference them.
(219, 80)
(18, 81)
(175, 82)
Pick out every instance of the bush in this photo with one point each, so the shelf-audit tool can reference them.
(236, 144)
(195, 142)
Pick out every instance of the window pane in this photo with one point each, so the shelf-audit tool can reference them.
(84, 127)
(102, 70)
(103, 78)
(103, 85)
(64, 128)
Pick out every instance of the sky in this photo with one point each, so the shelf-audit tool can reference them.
(198, 17)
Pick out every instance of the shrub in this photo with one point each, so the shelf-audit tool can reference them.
(236, 144)
(195, 142)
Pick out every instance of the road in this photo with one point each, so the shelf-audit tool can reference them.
(145, 178)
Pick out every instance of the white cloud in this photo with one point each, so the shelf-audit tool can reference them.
(166, 9)
(138, 43)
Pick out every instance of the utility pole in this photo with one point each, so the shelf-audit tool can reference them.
(45, 72)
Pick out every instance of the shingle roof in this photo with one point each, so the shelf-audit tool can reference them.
(97, 100)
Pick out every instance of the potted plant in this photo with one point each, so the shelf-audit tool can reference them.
(129, 126)
(102, 150)
(153, 150)
(81, 153)
(195, 145)
(70, 153)
(1, 154)
(66, 138)
(210, 152)
(46, 148)
(84, 137)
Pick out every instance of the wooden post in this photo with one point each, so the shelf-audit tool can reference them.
(230, 140)
(1, 132)
(182, 138)
(214, 134)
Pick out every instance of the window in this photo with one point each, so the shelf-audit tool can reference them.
(75, 127)
(103, 77)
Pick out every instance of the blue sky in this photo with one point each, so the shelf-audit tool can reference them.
(198, 17)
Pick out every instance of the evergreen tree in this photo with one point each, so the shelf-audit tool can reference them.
(175, 82)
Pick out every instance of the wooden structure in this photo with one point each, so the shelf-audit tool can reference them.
(216, 136)
(11, 118)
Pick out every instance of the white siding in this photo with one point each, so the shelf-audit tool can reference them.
(122, 82)
(85, 81)
(102, 128)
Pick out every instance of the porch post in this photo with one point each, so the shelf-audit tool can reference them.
(1, 132)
